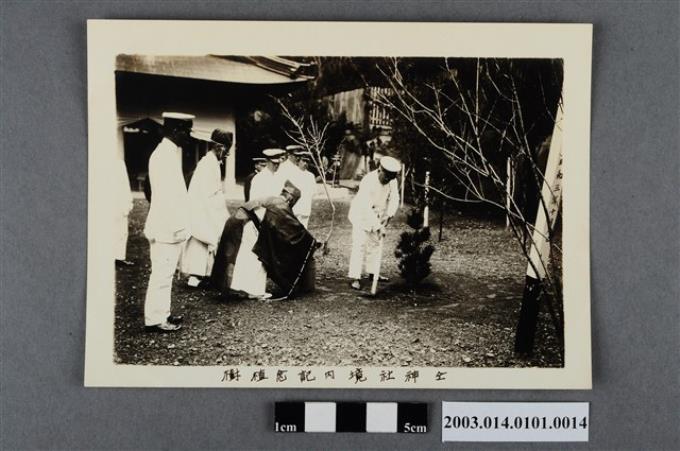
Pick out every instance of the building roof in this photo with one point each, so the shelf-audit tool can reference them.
(232, 69)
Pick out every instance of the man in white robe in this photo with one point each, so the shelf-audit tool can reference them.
(208, 212)
(249, 274)
(375, 203)
(167, 224)
(123, 206)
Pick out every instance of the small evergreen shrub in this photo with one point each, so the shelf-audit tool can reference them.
(414, 251)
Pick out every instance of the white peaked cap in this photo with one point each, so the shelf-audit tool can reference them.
(178, 116)
(390, 164)
(273, 153)
(294, 147)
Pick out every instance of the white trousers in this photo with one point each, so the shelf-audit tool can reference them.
(364, 249)
(164, 259)
(249, 274)
(120, 227)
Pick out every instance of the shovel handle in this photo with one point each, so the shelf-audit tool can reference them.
(376, 274)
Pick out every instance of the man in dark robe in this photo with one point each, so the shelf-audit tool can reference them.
(230, 242)
(284, 246)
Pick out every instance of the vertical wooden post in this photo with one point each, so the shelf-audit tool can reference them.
(551, 194)
(442, 206)
(509, 188)
(426, 210)
(403, 183)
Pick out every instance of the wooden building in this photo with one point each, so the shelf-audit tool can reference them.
(216, 89)
(361, 109)
(371, 128)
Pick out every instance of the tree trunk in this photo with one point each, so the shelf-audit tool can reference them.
(539, 253)
(509, 188)
(426, 210)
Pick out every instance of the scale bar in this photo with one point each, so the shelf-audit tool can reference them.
(375, 417)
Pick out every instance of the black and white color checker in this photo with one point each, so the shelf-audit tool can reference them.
(350, 417)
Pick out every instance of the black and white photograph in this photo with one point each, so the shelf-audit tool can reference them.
(338, 219)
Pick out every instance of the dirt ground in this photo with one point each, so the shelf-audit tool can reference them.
(463, 316)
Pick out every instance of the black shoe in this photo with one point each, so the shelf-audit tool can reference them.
(199, 283)
(162, 328)
(205, 284)
(124, 263)
(175, 319)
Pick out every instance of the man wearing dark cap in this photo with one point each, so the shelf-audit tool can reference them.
(208, 209)
(167, 224)
(283, 246)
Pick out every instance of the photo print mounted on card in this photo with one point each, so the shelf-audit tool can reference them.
(338, 205)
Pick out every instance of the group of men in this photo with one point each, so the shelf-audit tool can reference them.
(284, 176)
(266, 238)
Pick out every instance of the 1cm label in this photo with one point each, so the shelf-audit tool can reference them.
(285, 427)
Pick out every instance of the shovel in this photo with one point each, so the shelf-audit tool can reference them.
(376, 270)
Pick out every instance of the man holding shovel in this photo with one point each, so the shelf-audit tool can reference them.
(375, 203)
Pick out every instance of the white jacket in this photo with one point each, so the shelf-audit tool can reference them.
(307, 186)
(265, 184)
(168, 219)
(288, 171)
(373, 202)
(304, 181)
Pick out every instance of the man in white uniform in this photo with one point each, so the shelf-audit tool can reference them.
(167, 225)
(208, 210)
(288, 169)
(374, 205)
(258, 165)
(249, 273)
(123, 206)
(302, 179)
(307, 186)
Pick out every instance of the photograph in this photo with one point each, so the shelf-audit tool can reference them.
(338, 220)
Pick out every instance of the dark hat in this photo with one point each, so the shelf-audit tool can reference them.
(222, 137)
(292, 190)
(258, 159)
